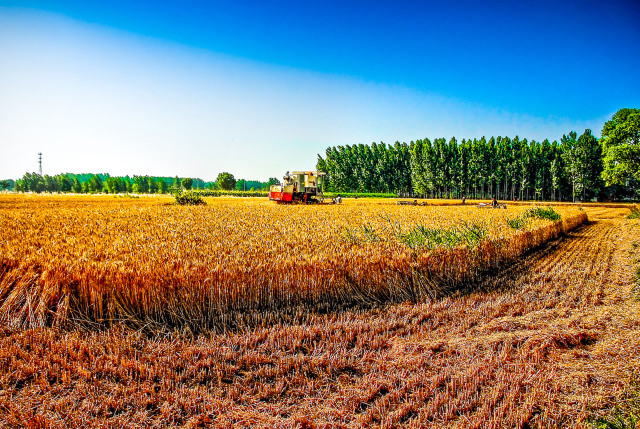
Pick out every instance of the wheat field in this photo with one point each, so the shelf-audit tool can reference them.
(146, 262)
(505, 332)
(549, 340)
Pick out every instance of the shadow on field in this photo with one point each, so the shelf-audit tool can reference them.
(413, 286)
(500, 279)
(506, 277)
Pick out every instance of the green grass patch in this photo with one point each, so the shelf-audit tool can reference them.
(548, 213)
(189, 199)
(359, 195)
(233, 193)
(517, 222)
(635, 213)
(625, 415)
(420, 236)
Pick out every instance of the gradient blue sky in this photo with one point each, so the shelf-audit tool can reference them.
(257, 88)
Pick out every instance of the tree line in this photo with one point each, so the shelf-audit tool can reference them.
(576, 168)
(104, 183)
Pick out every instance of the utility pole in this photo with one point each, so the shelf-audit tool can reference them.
(40, 161)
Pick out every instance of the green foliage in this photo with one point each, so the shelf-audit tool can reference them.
(351, 235)
(548, 213)
(625, 415)
(152, 185)
(32, 182)
(468, 234)
(233, 193)
(420, 236)
(162, 187)
(501, 167)
(518, 222)
(226, 181)
(187, 183)
(583, 161)
(618, 420)
(621, 147)
(369, 233)
(7, 184)
(359, 195)
(247, 185)
(188, 198)
(95, 184)
(378, 168)
(85, 183)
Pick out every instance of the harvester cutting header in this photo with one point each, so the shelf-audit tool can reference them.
(300, 186)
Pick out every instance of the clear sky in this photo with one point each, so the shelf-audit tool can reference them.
(257, 88)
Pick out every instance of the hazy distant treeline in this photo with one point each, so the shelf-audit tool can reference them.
(104, 183)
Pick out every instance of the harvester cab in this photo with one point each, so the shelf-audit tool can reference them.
(299, 186)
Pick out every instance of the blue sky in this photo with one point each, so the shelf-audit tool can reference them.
(257, 88)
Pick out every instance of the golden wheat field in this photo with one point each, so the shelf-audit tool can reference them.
(146, 261)
(124, 313)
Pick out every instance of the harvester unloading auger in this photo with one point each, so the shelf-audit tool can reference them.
(299, 187)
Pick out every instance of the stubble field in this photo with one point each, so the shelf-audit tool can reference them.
(136, 313)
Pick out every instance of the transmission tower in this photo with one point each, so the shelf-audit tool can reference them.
(40, 161)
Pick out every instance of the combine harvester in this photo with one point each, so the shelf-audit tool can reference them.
(303, 187)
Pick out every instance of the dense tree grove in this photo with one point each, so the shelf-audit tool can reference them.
(507, 168)
(364, 168)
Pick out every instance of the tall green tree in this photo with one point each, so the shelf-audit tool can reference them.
(620, 143)
(582, 156)
(592, 168)
(226, 181)
(418, 168)
(572, 158)
(64, 183)
(162, 187)
(152, 185)
(95, 184)
(187, 183)
(140, 185)
(76, 186)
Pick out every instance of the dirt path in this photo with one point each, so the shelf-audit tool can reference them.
(547, 341)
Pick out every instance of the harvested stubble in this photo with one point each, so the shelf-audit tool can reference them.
(146, 262)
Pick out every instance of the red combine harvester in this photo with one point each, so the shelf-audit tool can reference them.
(299, 187)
